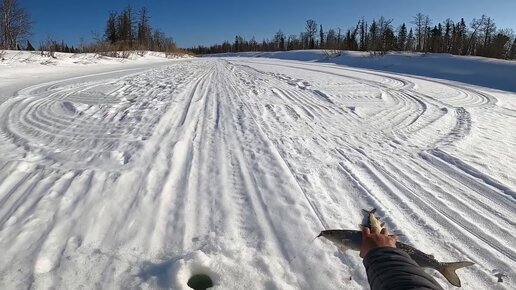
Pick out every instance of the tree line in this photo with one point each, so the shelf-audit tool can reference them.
(130, 30)
(125, 30)
(480, 38)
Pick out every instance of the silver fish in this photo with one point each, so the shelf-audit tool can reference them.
(352, 239)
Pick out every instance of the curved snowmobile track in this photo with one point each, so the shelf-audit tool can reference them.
(231, 166)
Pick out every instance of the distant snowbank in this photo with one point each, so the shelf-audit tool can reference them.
(25, 67)
(485, 72)
(14, 57)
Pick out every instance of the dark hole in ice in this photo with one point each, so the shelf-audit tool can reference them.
(200, 282)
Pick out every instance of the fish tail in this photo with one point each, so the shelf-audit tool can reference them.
(369, 211)
(448, 271)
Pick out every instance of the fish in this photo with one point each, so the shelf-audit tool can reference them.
(372, 219)
(344, 239)
(352, 239)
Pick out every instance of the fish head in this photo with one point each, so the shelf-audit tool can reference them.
(344, 239)
(372, 220)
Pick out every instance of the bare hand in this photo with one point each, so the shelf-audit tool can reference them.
(374, 238)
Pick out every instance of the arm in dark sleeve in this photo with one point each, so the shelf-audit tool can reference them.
(391, 268)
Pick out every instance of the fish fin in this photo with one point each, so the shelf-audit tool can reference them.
(395, 233)
(369, 212)
(448, 271)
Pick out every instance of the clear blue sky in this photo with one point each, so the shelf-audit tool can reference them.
(210, 21)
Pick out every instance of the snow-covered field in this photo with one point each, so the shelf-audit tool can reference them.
(480, 71)
(140, 174)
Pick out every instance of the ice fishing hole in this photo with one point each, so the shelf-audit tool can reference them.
(200, 282)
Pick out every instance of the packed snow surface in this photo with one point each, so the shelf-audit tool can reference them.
(142, 174)
(481, 71)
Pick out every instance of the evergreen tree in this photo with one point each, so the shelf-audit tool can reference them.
(321, 37)
(440, 42)
(29, 46)
(402, 37)
(239, 44)
(362, 31)
(435, 39)
(410, 41)
(512, 51)
(498, 47)
(111, 33)
(373, 36)
(144, 29)
(350, 41)
(448, 24)
(459, 35)
(389, 39)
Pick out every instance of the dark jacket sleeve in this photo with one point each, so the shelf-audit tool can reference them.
(391, 268)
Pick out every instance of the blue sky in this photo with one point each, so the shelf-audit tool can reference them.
(210, 21)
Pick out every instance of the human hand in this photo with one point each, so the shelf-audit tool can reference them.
(374, 238)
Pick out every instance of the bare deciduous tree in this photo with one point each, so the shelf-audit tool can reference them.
(15, 24)
(311, 31)
(144, 29)
(279, 40)
(422, 23)
(476, 24)
(488, 31)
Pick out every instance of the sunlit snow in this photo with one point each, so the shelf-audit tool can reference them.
(142, 173)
